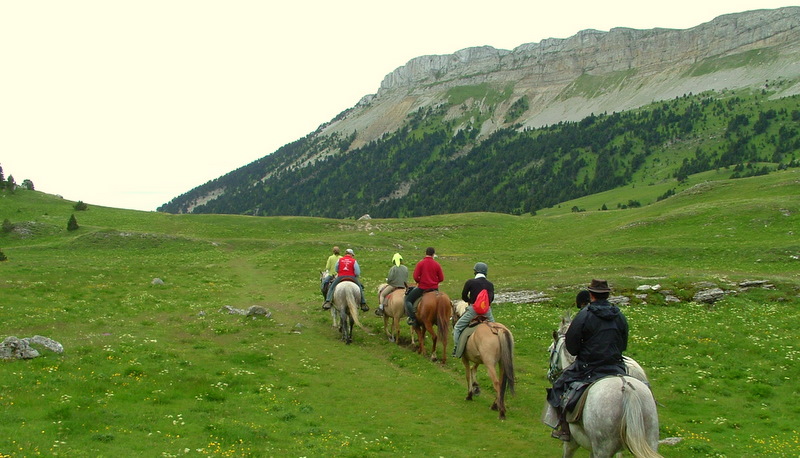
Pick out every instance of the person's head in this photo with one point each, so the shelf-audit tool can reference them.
(430, 251)
(349, 251)
(481, 268)
(397, 259)
(336, 250)
(599, 289)
(582, 299)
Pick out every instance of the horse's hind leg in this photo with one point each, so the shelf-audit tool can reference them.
(470, 381)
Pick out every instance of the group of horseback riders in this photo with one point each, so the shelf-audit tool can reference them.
(597, 336)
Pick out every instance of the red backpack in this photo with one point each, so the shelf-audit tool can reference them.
(482, 304)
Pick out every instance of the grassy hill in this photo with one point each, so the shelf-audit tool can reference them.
(153, 370)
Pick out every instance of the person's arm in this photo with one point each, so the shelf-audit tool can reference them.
(465, 292)
(573, 339)
(356, 269)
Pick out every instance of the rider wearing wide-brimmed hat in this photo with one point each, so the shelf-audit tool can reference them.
(597, 337)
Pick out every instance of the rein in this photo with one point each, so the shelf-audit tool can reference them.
(555, 359)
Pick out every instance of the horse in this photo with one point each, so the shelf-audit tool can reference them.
(459, 308)
(434, 309)
(619, 412)
(346, 298)
(395, 310)
(491, 344)
(324, 290)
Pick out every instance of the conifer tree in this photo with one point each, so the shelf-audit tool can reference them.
(72, 224)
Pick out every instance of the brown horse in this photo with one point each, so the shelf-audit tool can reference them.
(395, 310)
(434, 309)
(491, 344)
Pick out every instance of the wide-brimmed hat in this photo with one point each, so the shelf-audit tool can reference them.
(599, 286)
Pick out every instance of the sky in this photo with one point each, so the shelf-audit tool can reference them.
(129, 104)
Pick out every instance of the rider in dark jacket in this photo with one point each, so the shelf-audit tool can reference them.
(597, 337)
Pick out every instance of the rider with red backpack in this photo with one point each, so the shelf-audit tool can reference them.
(471, 294)
(346, 269)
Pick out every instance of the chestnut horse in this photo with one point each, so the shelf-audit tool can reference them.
(490, 344)
(434, 309)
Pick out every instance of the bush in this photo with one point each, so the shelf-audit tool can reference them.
(81, 206)
(3, 256)
(72, 224)
(8, 226)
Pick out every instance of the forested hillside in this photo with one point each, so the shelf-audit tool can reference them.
(436, 166)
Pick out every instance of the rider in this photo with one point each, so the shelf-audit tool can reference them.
(397, 278)
(582, 299)
(597, 337)
(346, 268)
(469, 294)
(428, 274)
(330, 267)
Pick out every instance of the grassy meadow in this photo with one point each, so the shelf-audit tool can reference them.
(159, 370)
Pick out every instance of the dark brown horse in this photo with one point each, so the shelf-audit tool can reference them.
(434, 309)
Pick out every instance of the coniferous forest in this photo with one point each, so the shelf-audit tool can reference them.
(439, 166)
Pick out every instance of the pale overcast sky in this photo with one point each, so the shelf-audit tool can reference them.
(130, 103)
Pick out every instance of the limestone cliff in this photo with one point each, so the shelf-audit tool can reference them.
(593, 71)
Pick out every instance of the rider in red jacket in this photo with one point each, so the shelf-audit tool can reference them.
(428, 274)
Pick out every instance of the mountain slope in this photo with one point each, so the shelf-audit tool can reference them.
(441, 120)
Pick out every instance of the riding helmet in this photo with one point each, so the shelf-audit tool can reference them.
(481, 268)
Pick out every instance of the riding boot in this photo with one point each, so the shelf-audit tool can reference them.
(379, 310)
(326, 305)
(563, 427)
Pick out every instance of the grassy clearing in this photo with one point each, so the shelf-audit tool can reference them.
(154, 370)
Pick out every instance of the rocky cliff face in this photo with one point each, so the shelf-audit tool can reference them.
(594, 71)
(560, 80)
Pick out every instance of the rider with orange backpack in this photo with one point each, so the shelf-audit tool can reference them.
(471, 294)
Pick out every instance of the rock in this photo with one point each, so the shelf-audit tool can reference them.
(47, 343)
(157, 281)
(257, 310)
(14, 348)
(670, 441)
(365, 217)
(232, 310)
(709, 296)
(619, 300)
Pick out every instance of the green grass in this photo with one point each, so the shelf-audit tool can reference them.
(158, 370)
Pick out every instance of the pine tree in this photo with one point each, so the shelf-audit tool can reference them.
(72, 224)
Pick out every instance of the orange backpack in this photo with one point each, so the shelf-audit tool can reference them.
(482, 304)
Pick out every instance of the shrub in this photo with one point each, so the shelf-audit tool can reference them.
(81, 206)
(72, 224)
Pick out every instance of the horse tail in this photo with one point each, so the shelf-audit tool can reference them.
(507, 363)
(352, 308)
(443, 313)
(633, 427)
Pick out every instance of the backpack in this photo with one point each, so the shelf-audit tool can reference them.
(482, 304)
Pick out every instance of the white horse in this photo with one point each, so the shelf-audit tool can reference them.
(346, 298)
(619, 412)
(334, 313)
(459, 308)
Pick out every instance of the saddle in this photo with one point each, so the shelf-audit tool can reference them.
(576, 398)
(467, 332)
